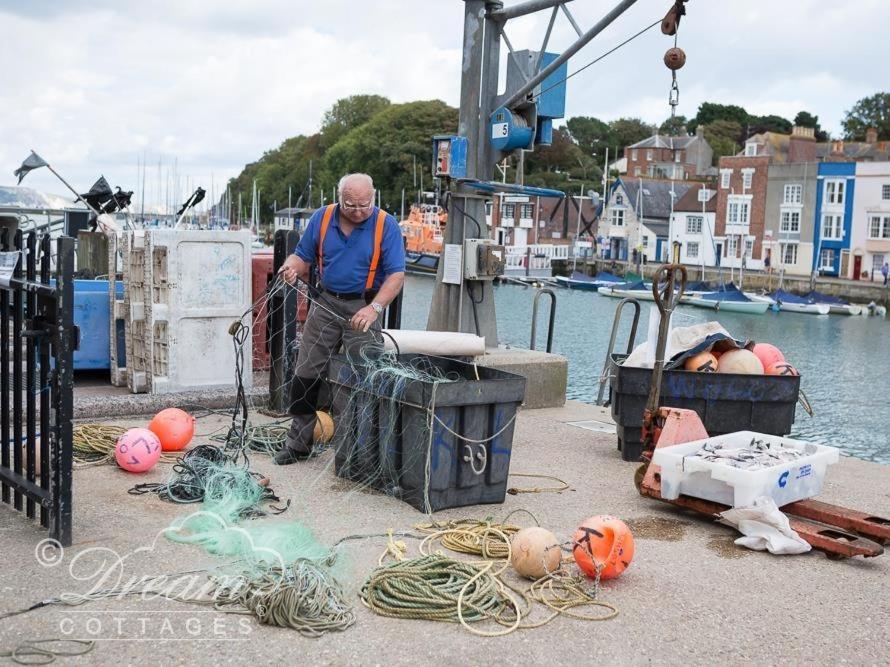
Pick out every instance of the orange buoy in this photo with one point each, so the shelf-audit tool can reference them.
(703, 362)
(781, 368)
(324, 427)
(535, 552)
(175, 429)
(603, 542)
(743, 362)
(768, 354)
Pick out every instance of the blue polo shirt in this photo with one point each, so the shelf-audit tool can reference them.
(347, 260)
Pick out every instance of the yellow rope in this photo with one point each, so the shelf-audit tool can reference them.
(93, 444)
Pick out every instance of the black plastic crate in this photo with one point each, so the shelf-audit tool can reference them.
(393, 450)
(725, 402)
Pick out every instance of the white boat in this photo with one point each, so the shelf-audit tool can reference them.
(791, 303)
(638, 291)
(836, 305)
(729, 299)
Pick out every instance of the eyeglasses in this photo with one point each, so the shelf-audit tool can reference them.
(350, 206)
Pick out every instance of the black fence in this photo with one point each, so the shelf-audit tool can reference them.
(37, 342)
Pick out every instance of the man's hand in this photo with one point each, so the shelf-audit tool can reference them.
(363, 319)
(290, 269)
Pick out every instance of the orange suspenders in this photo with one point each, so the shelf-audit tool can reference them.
(375, 258)
(378, 242)
(325, 219)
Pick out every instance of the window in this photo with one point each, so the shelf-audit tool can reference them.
(526, 210)
(692, 250)
(885, 192)
(644, 241)
(732, 245)
(832, 227)
(633, 154)
(693, 224)
(750, 149)
(488, 209)
(879, 227)
(737, 211)
(618, 217)
(678, 158)
(747, 177)
(834, 191)
(637, 171)
(790, 221)
(619, 200)
(725, 175)
(749, 247)
(793, 194)
(789, 253)
(877, 262)
(826, 259)
(649, 155)
(509, 211)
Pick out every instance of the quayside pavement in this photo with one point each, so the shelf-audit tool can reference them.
(689, 597)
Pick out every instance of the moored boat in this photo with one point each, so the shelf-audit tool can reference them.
(729, 299)
(792, 303)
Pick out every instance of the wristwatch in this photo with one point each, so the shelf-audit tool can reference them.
(377, 307)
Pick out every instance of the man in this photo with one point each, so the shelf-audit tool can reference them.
(359, 256)
(885, 270)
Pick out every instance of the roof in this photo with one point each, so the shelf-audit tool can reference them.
(656, 198)
(657, 228)
(776, 146)
(664, 141)
(690, 202)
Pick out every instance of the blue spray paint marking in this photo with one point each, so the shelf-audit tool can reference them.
(783, 479)
(439, 442)
(495, 450)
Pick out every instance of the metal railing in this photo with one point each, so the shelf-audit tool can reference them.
(540, 293)
(37, 343)
(631, 339)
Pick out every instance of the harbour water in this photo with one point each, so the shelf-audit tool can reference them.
(844, 361)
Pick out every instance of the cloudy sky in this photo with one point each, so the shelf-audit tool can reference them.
(94, 85)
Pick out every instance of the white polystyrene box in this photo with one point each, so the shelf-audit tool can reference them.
(683, 474)
(197, 284)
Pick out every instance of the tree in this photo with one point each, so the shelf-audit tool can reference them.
(591, 134)
(772, 123)
(627, 131)
(708, 112)
(561, 155)
(806, 119)
(873, 111)
(674, 127)
(387, 145)
(348, 113)
(722, 135)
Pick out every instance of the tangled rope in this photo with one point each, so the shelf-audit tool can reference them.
(45, 651)
(439, 588)
(93, 444)
(468, 536)
(304, 598)
(262, 438)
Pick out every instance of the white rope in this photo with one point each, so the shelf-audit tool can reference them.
(464, 438)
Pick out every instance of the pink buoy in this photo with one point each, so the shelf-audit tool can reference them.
(137, 450)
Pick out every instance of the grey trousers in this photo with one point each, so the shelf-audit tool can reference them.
(324, 334)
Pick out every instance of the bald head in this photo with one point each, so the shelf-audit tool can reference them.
(356, 193)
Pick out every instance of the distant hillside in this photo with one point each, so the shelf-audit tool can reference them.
(11, 195)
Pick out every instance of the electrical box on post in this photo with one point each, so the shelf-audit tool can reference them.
(483, 259)
(449, 156)
(549, 96)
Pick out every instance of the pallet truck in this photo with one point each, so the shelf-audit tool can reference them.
(837, 531)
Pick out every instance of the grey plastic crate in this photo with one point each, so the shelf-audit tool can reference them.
(726, 402)
(393, 452)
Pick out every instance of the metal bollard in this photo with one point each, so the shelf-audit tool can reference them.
(535, 318)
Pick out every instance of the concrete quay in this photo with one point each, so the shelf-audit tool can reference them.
(689, 597)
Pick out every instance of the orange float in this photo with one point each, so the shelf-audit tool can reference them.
(703, 362)
(603, 542)
(175, 429)
(781, 368)
(741, 361)
(768, 354)
(324, 427)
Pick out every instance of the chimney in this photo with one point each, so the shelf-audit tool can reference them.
(699, 130)
(871, 135)
(837, 147)
(802, 144)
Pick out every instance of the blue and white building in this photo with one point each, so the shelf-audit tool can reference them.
(835, 191)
